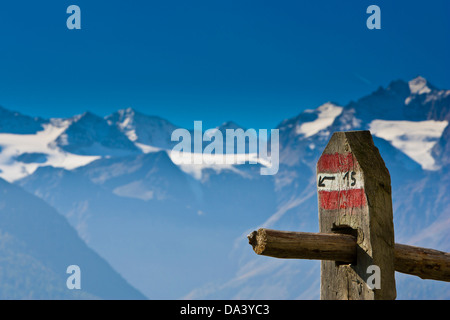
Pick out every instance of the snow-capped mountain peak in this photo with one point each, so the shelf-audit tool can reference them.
(147, 132)
(15, 122)
(419, 85)
(124, 121)
(90, 134)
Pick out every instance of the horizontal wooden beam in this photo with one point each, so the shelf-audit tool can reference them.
(304, 245)
(422, 262)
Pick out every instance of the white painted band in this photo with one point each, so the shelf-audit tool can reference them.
(340, 181)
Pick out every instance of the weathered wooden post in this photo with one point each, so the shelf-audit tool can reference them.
(354, 190)
(356, 239)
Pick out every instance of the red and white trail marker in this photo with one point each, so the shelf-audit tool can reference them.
(354, 196)
(340, 182)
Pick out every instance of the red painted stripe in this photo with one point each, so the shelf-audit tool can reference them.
(335, 163)
(332, 200)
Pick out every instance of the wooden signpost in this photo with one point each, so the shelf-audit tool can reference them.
(356, 239)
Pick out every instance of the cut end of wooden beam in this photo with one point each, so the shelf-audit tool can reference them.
(252, 239)
(257, 239)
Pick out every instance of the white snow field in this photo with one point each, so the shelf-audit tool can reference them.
(326, 114)
(414, 138)
(15, 145)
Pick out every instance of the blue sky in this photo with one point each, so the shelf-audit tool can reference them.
(253, 62)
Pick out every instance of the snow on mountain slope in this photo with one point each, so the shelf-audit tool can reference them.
(234, 150)
(301, 136)
(199, 162)
(16, 148)
(326, 114)
(414, 138)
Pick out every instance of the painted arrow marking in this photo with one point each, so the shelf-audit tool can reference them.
(321, 180)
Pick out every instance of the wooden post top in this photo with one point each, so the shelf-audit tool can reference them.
(354, 193)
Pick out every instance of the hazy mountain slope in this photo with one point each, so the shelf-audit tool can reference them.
(146, 131)
(24, 277)
(15, 122)
(38, 245)
(89, 134)
(441, 151)
(185, 222)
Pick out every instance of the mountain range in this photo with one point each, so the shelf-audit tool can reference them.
(160, 230)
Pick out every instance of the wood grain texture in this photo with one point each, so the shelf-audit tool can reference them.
(422, 262)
